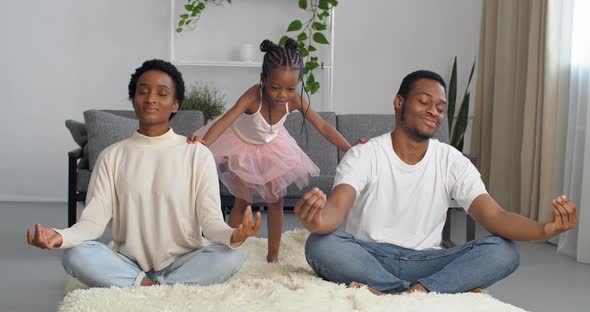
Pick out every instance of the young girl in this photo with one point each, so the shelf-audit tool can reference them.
(256, 157)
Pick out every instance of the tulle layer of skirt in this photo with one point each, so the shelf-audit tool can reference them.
(260, 172)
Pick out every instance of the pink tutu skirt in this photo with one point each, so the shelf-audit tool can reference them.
(260, 172)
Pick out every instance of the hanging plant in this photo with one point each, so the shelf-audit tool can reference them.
(308, 34)
(194, 9)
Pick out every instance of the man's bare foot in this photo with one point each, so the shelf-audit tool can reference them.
(476, 290)
(416, 288)
(272, 259)
(359, 285)
(147, 282)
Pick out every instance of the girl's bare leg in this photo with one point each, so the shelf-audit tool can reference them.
(274, 225)
(237, 213)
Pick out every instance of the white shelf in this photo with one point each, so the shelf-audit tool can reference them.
(218, 63)
(212, 52)
(226, 64)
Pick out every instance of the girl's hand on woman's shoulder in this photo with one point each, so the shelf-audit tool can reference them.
(192, 139)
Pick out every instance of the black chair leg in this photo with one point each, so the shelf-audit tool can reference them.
(470, 232)
(72, 200)
(446, 234)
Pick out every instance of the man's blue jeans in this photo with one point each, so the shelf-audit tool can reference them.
(96, 265)
(341, 258)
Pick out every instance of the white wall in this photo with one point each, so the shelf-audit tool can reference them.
(59, 58)
(378, 42)
(62, 57)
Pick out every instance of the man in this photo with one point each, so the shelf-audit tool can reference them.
(394, 192)
(162, 196)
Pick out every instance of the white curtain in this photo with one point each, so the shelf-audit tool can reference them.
(571, 23)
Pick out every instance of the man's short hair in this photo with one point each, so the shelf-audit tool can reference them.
(408, 82)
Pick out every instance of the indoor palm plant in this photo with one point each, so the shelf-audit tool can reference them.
(458, 125)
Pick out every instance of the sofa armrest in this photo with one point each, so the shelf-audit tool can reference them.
(75, 154)
(474, 160)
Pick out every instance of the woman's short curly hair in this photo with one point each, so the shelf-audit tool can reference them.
(162, 66)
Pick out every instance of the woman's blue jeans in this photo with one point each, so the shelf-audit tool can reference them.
(96, 265)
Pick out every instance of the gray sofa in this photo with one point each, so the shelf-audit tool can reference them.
(102, 128)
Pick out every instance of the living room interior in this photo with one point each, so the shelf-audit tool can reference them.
(526, 123)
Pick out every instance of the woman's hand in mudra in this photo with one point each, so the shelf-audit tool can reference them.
(247, 228)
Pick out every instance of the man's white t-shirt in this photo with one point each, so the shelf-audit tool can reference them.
(405, 205)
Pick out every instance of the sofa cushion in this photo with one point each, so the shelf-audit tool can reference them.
(111, 126)
(184, 122)
(323, 153)
(82, 180)
(78, 132)
(105, 129)
(354, 126)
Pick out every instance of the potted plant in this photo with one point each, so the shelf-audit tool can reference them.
(458, 126)
(206, 98)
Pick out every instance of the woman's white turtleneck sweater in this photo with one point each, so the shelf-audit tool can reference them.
(160, 193)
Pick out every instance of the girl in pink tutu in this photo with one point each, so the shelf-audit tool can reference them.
(256, 157)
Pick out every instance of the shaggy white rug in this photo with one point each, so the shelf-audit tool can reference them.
(288, 286)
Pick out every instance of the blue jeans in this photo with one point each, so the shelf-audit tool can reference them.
(341, 258)
(96, 265)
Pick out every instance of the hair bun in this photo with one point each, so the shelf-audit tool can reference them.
(291, 44)
(266, 45)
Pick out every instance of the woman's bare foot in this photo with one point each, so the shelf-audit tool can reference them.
(147, 282)
(477, 290)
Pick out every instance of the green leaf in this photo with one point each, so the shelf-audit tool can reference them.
(323, 4)
(283, 40)
(470, 76)
(320, 38)
(310, 79)
(318, 26)
(178, 29)
(303, 4)
(181, 23)
(303, 51)
(188, 7)
(302, 37)
(314, 87)
(294, 26)
(333, 2)
(325, 14)
(311, 48)
(311, 65)
(201, 6)
(452, 96)
(184, 16)
(461, 124)
(460, 144)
